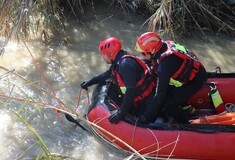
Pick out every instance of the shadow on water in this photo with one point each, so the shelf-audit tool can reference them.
(66, 67)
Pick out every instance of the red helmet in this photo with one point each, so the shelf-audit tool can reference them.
(110, 47)
(148, 42)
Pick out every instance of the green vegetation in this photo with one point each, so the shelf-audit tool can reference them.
(25, 18)
(30, 18)
(186, 16)
(23, 112)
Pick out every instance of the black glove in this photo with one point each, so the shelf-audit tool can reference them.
(116, 116)
(143, 119)
(85, 84)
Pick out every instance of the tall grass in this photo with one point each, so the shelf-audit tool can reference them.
(25, 18)
(22, 112)
(185, 16)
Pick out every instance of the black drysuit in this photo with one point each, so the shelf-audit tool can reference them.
(131, 72)
(168, 98)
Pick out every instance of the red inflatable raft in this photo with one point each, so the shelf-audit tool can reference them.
(200, 140)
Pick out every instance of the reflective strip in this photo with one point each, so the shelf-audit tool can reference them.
(137, 48)
(189, 109)
(151, 39)
(175, 83)
(123, 89)
(216, 98)
(180, 47)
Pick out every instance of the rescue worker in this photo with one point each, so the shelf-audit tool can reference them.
(132, 76)
(180, 75)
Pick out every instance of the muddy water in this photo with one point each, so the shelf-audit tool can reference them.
(65, 67)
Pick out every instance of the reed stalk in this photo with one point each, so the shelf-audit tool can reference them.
(183, 16)
(186, 16)
(27, 18)
(44, 147)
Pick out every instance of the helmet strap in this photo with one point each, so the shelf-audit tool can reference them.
(112, 61)
(151, 55)
(153, 51)
(110, 54)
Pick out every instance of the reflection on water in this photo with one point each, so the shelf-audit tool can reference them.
(215, 51)
(65, 67)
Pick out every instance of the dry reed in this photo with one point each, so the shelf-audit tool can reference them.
(171, 16)
(25, 18)
(185, 16)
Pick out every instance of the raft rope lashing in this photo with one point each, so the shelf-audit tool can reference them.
(216, 99)
(204, 118)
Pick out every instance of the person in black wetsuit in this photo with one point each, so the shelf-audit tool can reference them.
(180, 75)
(135, 83)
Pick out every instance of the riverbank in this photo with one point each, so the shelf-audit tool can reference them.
(66, 66)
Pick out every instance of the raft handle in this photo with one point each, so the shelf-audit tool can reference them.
(216, 70)
(213, 86)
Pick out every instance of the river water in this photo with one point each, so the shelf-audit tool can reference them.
(65, 67)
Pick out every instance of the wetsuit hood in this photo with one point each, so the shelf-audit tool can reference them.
(162, 50)
(119, 56)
